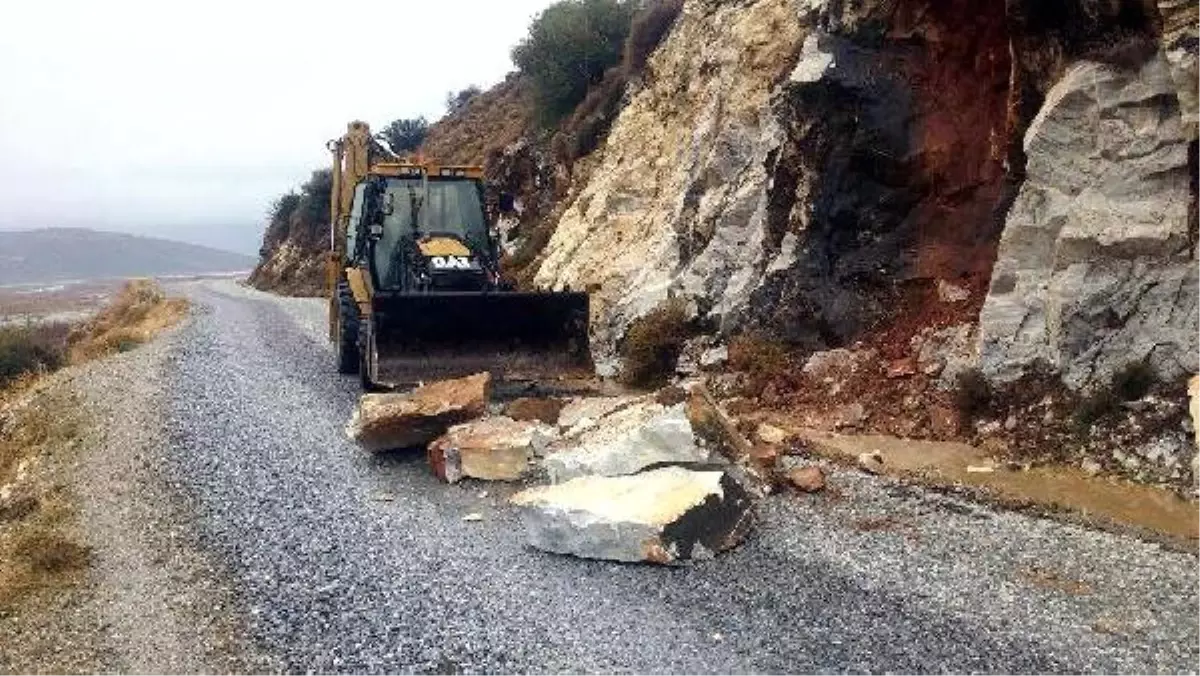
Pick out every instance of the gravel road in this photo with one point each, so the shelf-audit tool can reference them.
(343, 562)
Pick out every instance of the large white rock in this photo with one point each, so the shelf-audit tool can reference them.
(495, 448)
(662, 516)
(625, 442)
(1095, 268)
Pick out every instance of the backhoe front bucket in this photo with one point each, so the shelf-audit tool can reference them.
(515, 336)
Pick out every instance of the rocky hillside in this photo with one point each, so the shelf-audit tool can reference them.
(960, 195)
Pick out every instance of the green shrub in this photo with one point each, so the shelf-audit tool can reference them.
(407, 135)
(652, 345)
(456, 102)
(569, 47)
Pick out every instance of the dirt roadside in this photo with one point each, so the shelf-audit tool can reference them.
(146, 598)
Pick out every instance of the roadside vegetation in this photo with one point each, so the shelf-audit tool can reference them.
(40, 424)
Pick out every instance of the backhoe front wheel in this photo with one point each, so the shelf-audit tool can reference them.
(347, 331)
(367, 357)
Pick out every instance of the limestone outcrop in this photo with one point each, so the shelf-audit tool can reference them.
(678, 200)
(1096, 268)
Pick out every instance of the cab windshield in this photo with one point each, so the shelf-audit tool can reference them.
(449, 206)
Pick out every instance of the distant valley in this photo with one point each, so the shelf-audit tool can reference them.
(61, 254)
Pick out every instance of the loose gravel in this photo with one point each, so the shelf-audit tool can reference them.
(351, 563)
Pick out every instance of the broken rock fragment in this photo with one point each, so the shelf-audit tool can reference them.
(807, 479)
(407, 419)
(664, 516)
(493, 449)
(628, 441)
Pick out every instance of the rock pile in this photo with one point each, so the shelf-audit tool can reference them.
(630, 480)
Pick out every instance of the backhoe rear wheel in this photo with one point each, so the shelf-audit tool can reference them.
(347, 331)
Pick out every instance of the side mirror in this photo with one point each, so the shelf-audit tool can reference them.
(507, 204)
(375, 231)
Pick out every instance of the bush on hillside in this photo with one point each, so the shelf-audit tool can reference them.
(456, 102)
(652, 345)
(650, 25)
(31, 348)
(405, 136)
(569, 47)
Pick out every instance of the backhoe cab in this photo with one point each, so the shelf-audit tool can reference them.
(414, 279)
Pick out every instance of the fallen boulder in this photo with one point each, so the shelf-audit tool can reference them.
(630, 440)
(496, 448)
(407, 419)
(664, 516)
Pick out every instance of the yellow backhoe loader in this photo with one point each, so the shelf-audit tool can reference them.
(414, 284)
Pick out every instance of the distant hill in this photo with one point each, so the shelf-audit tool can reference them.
(59, 254)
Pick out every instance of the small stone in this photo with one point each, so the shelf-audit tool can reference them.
(770, 434)
(1010, 423)
(902, 368)
(871, 462)
(473, 516)
(807, 479)
(850, 416)
(951, 293)
(714, 357)
(980, 469)
(1091, 467)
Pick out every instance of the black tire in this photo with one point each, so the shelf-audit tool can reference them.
(347, 331)
(365, 350)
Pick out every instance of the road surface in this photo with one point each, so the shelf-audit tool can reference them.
(338, 561)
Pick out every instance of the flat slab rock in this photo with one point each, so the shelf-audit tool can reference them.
(409, 419)
(626, 441)
(665, 516)
(496, 448)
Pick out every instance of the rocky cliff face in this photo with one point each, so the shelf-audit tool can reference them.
(821, 170)
(677, 202)
(1096, 267)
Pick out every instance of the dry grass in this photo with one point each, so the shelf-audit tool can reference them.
(652, 345)
(36, 549)
(38, 428)
(138, 312)
(761, 357)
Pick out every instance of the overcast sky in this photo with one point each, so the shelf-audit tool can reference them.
(185, 120)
